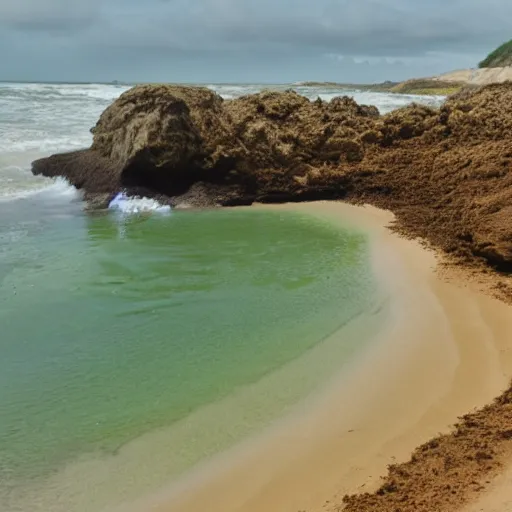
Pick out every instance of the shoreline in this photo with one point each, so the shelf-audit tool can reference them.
(429, 368)
(454, 159)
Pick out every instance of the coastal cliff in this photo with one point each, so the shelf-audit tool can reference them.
(445, 173)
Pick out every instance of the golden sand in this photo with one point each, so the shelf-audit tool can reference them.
(445, 351)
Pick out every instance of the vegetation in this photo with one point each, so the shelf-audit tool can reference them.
(427, 87)
(500, 57)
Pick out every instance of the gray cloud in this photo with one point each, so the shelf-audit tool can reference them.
(275, 40)
(48, 15)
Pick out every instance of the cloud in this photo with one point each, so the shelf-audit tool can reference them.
(272, 36)
(372, 27)
(48, 15)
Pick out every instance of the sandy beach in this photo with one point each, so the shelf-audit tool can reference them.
(439, 348)
(445, 352)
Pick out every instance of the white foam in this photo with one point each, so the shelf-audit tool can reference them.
(107, 92)
(61, 188)
(52, 188)
(130, 205)
(51, 118)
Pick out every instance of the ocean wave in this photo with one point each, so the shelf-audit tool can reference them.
(386, 102)
(103, 92)
(129, 205)
(229, 92)
(14, 143)
(47, 188)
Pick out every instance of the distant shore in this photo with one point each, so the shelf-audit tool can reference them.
(441, 85)
(416, 87)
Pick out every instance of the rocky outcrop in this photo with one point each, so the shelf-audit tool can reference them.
(162, 139)
(446, 173)
(156, 138)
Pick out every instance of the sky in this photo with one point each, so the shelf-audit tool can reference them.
(258, 41)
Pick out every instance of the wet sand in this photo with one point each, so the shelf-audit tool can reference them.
(445, 352)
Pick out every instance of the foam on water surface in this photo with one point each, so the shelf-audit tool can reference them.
(127, 205)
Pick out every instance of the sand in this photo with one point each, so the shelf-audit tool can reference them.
(482, 76)
(445, 352)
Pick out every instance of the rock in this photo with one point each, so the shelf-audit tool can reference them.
(97, 201)
(162, 139)
(159, 138)
(208, 195)
(86, 169)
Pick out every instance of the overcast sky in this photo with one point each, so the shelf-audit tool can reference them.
(246, 40)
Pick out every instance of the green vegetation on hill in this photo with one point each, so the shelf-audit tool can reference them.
(499, 58)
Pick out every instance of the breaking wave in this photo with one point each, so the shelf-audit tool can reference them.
(129, 205)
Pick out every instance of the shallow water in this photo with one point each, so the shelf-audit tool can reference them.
(113, 326)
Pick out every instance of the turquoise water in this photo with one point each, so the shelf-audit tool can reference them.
(112, 327)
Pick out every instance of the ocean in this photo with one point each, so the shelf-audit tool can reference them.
(180, 333)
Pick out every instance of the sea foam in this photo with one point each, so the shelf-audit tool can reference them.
(128, 205)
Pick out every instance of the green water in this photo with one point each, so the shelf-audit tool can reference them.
(112, 327)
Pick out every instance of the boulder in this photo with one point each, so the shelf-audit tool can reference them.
(158, 138)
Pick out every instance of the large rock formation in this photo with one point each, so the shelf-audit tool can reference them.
(156, 139)
(445, 172)
(162, 139)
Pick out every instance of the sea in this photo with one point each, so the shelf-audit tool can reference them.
(138, 343)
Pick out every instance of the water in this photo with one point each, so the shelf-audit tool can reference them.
(196, 328)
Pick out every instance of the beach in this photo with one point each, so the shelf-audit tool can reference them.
(442, 351)
(327, 394)
(445, 352)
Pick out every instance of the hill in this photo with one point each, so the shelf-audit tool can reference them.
(501, 57)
